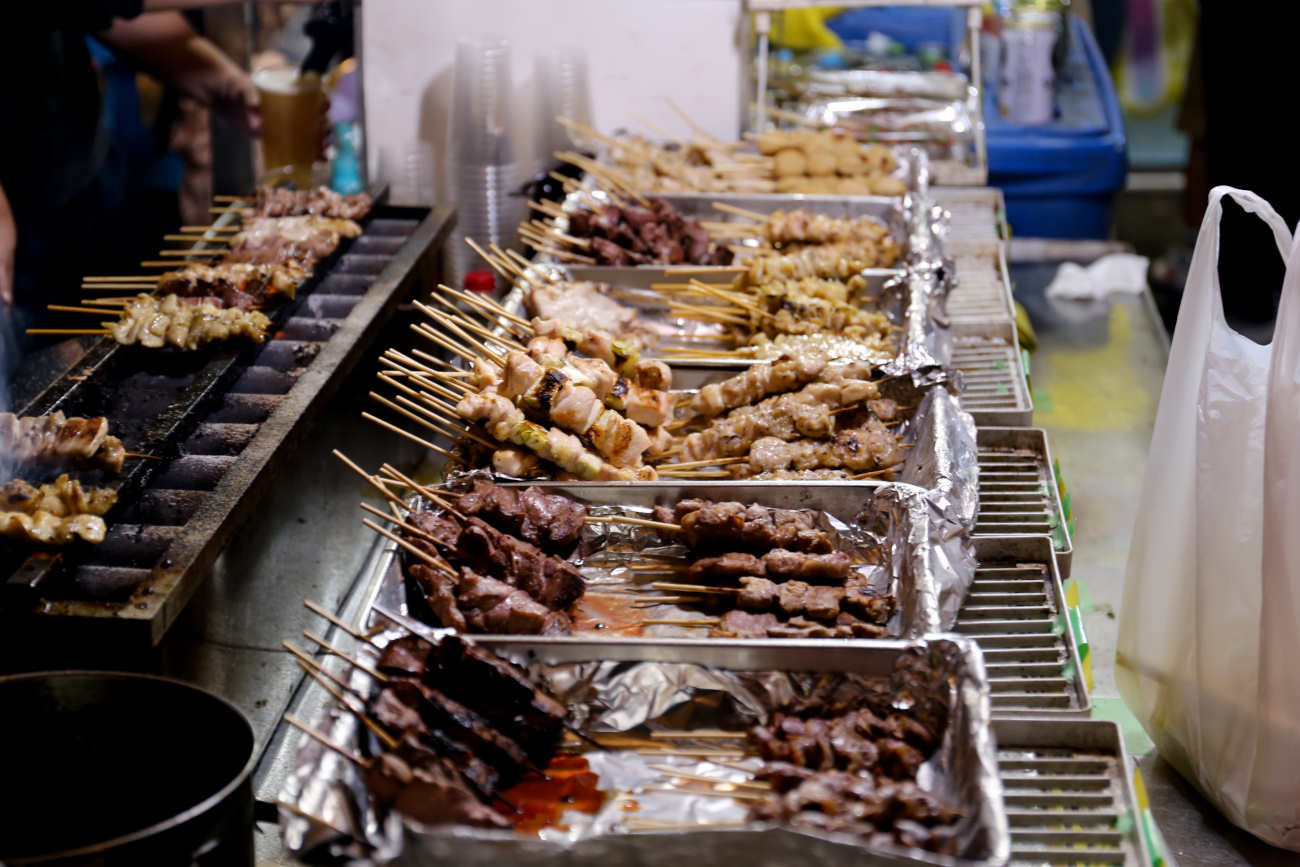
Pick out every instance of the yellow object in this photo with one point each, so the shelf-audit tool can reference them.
(1025, 329)
(805, 29)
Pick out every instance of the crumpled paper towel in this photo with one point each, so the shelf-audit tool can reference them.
(1118, 272)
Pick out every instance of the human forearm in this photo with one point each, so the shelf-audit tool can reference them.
(8, 247)
(164, 45)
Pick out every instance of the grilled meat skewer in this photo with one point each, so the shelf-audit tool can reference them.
(55, 438)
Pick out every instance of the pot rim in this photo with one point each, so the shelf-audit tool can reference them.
(176, 820)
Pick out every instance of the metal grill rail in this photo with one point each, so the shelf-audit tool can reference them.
(1066, 787)
(1018, 495)
(996, 391)
(974, 214)
(1016, 610)
(983, 286)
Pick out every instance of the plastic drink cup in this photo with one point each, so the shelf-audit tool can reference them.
(291, 117)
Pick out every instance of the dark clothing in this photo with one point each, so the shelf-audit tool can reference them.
(1247, 62)
(54, 144)
(54, 141)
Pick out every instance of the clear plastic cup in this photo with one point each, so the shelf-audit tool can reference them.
(480, 109)
(291, 107)
(563, 90)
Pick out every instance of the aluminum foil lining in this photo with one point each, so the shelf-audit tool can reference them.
(327, 813)
(901, 533)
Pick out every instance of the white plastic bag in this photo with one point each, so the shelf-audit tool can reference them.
(1209, 639)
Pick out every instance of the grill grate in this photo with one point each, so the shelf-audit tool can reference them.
(974, 214)
(1066, 789)
(1015, 610)
(995, 390)
(166, 534)
(983, 287)
(1018, 494)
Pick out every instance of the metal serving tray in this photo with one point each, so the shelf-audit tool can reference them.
(316, 791)
(974, 213)
(981, 291)
(1068, 792)
(887, 210)
(1018, 493)
(995, 389)
(1016, 610)
(926, 582)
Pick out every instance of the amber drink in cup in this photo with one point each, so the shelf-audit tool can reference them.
(291, 117)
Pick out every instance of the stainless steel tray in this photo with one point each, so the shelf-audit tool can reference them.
(981, 290)
(965, 766)
(925, 557)
(975, 213)
(1067, 785)
(1018, 492)
(1016, 611)
(995, 389)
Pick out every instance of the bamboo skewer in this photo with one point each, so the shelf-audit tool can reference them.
(325, 742)
(388, 740)
(685, 624)
(399, 431)
(311, 661)
(359, 636)
(740, 212)
(423, 491)
(351, 660)
(633, 521)
(707, 462)
(212, 227)
(437, 563)
(62, 308)
(388, 495)
(409, 528)
(69, 331)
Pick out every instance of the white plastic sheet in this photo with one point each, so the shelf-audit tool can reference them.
(1209, 638)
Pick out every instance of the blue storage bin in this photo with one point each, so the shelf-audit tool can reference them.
(1060, 179)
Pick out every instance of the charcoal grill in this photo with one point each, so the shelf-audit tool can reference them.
(220, 421)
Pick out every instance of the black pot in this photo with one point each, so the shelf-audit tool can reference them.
(106, 768)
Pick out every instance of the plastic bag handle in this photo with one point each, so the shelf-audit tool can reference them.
(1202, 304)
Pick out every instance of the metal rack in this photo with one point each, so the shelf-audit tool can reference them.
(761, 29)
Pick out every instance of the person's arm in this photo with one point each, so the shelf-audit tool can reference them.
(8, 247)
(164, 45)
(90, 16)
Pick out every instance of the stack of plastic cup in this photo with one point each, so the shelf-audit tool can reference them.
(563, 90)
(484, 175)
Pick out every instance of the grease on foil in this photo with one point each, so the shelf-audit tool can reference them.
(326, 810)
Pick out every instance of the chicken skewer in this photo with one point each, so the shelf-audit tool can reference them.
(54, 438)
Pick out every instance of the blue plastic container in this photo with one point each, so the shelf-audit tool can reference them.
(1060, 179)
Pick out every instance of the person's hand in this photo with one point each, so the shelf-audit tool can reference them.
(8, 249)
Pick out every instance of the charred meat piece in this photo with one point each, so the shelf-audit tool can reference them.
(435, 793)
(465, 671)
(407, 656)
(639, 235)
(814, 568)
(550, 521)
(863, 600)
(490, 605)
(439, 594)
(757, 594)
(727, 567)
(554, 582)
(791, 597)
